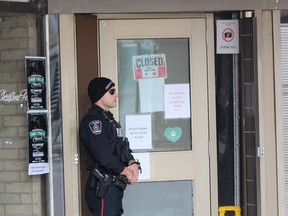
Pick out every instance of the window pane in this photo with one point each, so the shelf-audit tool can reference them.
(154, 93)
(159, 198)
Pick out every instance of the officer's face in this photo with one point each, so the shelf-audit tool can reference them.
(109, 100)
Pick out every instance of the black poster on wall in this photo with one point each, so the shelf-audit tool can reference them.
(36, 82)
(37, 115)
(38, 144)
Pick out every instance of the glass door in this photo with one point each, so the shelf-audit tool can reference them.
(160, 69)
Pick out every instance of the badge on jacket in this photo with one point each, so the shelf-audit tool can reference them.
(96, 127)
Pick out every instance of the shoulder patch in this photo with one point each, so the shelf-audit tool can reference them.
(96, 127)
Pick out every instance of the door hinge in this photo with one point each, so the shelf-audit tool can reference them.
(76, 158)
(209, 148)
(260, 151)
(206, 37)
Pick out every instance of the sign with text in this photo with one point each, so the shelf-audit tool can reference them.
(144, 159)
(13, 96)
(227, 36)
(177, 101)
(138, 131)
(36, 82)
(149, 66)
(38, 144)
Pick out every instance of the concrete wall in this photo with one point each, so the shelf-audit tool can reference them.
(20, 194)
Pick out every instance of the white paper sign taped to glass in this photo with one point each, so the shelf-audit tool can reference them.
(227, 36)
(145, 160)
(36, 82)
(149, 66)
(177, 101)
(38, 144)
(139, 131)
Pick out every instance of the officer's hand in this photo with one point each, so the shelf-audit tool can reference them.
(135, 171)
(128, 173)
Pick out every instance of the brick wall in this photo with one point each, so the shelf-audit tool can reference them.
(20, 194)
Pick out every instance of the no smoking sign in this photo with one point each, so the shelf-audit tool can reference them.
(227, 37)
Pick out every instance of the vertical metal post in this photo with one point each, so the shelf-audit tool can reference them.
(236, 129)
(50, 185)
(236, 126)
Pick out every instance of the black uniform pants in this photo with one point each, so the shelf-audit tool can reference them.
(109, 205)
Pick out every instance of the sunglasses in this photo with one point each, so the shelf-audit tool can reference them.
(112, 91)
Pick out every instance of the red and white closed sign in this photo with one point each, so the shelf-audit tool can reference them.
(149, 66)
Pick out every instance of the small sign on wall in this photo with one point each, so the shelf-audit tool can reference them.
(227, 36)
(37, 115)
(38, 144)
(36, 82)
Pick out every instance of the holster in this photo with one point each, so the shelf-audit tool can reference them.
(102, 187)
(99, 183)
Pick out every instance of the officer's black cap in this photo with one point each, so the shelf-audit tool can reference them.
(98, 87)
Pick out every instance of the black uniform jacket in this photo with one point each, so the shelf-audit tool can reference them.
(96, 135)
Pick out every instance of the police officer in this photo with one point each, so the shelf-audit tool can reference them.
(100, 137)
